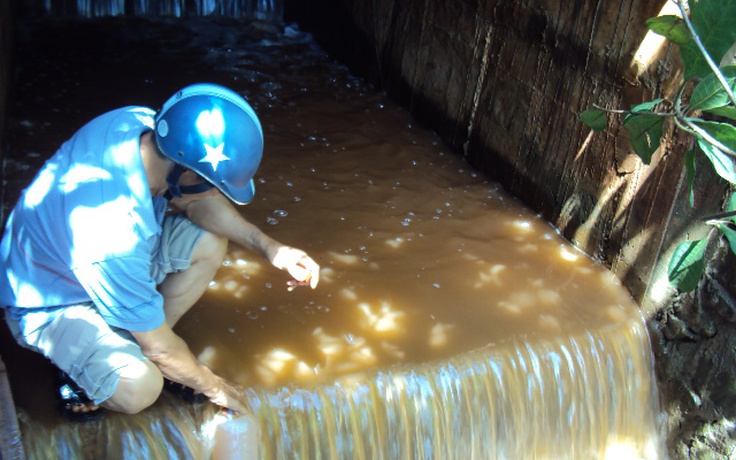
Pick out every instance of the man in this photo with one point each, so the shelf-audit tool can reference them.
(96, 272)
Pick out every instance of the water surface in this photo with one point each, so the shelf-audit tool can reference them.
(450, 321)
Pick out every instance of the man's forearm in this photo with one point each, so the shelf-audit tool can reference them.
(176, 362)
(260, 242)
(217, 215)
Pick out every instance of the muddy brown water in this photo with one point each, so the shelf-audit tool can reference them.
(450, 321)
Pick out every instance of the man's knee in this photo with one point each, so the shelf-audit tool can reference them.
(138, 388)
(210, 250)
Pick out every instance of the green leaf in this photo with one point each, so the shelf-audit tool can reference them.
(732, 206)
(643, 107)
(710, 94)
(673, 28)
(722, 163)
(595, 119)
(723, 132)
(728, 112)
(645, 132)
(730, 235)
(689, 160)
(715, 23)
(645, 129)
(687, 264)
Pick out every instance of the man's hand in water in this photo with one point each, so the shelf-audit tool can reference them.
(229, 395)
(300, 266)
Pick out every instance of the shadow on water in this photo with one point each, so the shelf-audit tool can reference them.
(450, 322)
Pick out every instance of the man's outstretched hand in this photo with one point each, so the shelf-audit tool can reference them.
(300, 266)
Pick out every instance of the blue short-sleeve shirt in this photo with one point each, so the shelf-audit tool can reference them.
(87, 226)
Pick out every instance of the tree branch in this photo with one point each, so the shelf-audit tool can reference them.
(704, 134)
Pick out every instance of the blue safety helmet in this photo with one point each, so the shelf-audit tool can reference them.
(214, 132)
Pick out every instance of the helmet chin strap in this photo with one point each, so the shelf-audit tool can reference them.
(175, 190)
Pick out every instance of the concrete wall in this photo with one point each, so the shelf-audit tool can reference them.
(503, 83)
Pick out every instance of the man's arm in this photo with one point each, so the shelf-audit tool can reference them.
(172, 356)
(213, 212)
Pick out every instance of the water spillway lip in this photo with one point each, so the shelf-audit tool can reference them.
(559, 398)
(542, 347)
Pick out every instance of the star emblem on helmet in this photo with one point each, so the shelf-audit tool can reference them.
(214, 155)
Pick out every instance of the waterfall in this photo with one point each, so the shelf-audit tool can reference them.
(586, 397)
(264, 10)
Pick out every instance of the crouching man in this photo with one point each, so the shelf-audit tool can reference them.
(94, 269)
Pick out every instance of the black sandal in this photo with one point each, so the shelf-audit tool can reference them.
(184, 392)
(73, 402)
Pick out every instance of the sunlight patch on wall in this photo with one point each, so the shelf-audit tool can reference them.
(652, 43)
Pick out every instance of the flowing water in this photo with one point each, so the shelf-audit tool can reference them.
(265, 10)
(450, 321)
